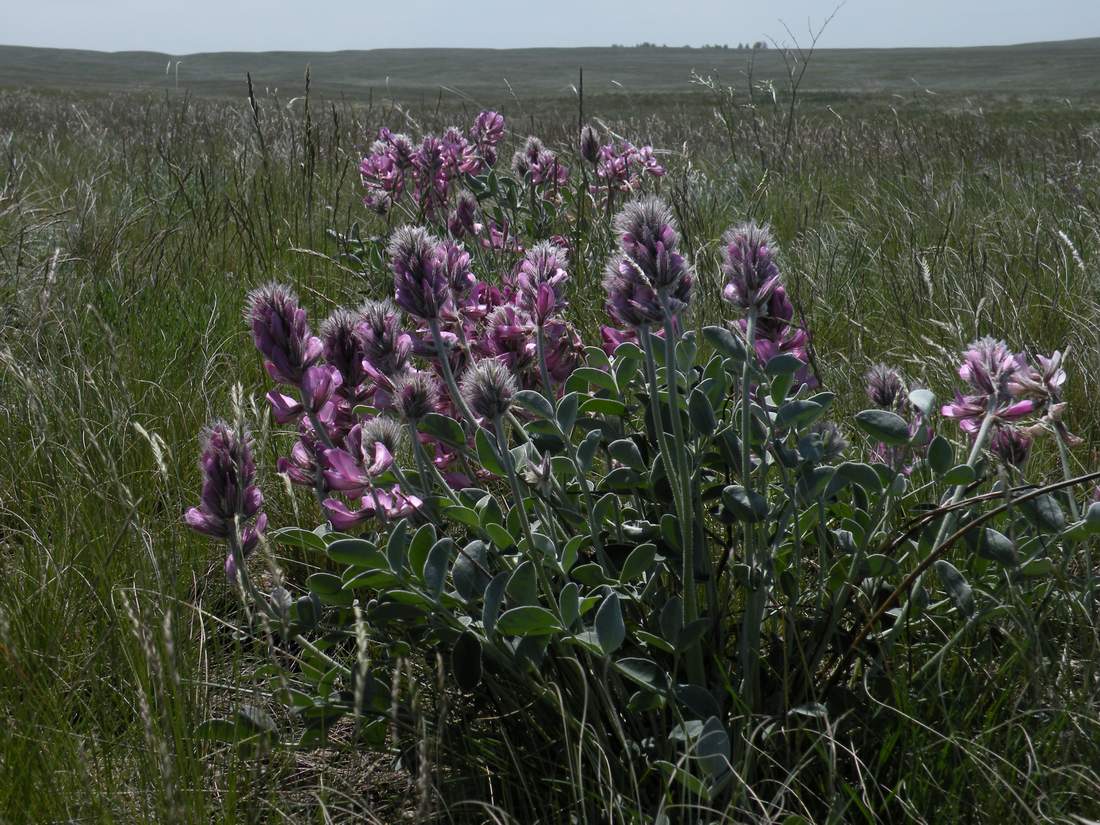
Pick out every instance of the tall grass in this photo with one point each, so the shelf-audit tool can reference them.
(131, 228)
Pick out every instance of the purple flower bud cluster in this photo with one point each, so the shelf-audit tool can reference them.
(230, 505)
(428, 172)
(748, 262)
(540, 166)
(620, 167)
(650, 281)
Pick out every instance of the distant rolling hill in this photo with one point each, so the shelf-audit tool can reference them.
(1067, 68)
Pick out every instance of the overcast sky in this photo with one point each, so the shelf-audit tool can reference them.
(188, 26)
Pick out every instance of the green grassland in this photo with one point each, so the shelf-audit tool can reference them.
(133, 224)
(1048, 69)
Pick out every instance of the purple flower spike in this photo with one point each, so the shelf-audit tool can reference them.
(631, 301)
(281, 333)
(485, 135)
(420, 282)
(649, 238)
(230, 497)
(455, 263)
(386, 347)
(590, 144)
(885, 387)
(1047, 381)
(541, 281)
(992, 369)
(463, 221)
(343, 348)
(752, 274)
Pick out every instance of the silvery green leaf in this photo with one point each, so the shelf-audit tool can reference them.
(420, 545)
(924, 400)
(885, 426)
(643, 672)
(797, 414)
(1092, 517)
(527, 620)
(639, 562)
(744, 504)
(625, 451)
(957, 587)
(941, 456)
(567, 412)
(962, 474)
(672, 619)
(699, 701)
(783, 364)
(494, 595)
(487, 453)
(444, 428)
(713, 748)
(523, 585)
(569, 604)
(610, 629)
(436, 565)
(397, 546)
(470, 580)
(535, 403)
(586, 452)
(1045, 512)
(701, 413)
(359, 552)
(726, 342)
(996, 546)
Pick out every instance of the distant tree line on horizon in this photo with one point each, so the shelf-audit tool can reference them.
(741, 47)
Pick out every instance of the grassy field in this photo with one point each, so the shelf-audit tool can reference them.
(492, 76)
(131, 227)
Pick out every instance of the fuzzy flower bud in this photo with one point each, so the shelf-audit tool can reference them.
(884, 386)
(590, 144)
(541, 281)
(281, 333)
(230, 497)
(749, 266)
(488, 387)
(385, 346)
(343, 347)
(415, 395)
(420, 283)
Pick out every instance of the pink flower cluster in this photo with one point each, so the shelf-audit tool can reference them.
(380, 358)
(621, 166)
(1003, 384)
(427, 172)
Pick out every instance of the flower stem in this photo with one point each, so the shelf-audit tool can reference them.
(946, 526)
(449, 376)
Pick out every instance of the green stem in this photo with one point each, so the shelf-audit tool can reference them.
(681, 457)
(754, 600)
(449, 377)
(544, 372)
(946, 526)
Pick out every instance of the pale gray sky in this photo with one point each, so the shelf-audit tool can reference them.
(323, 25)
